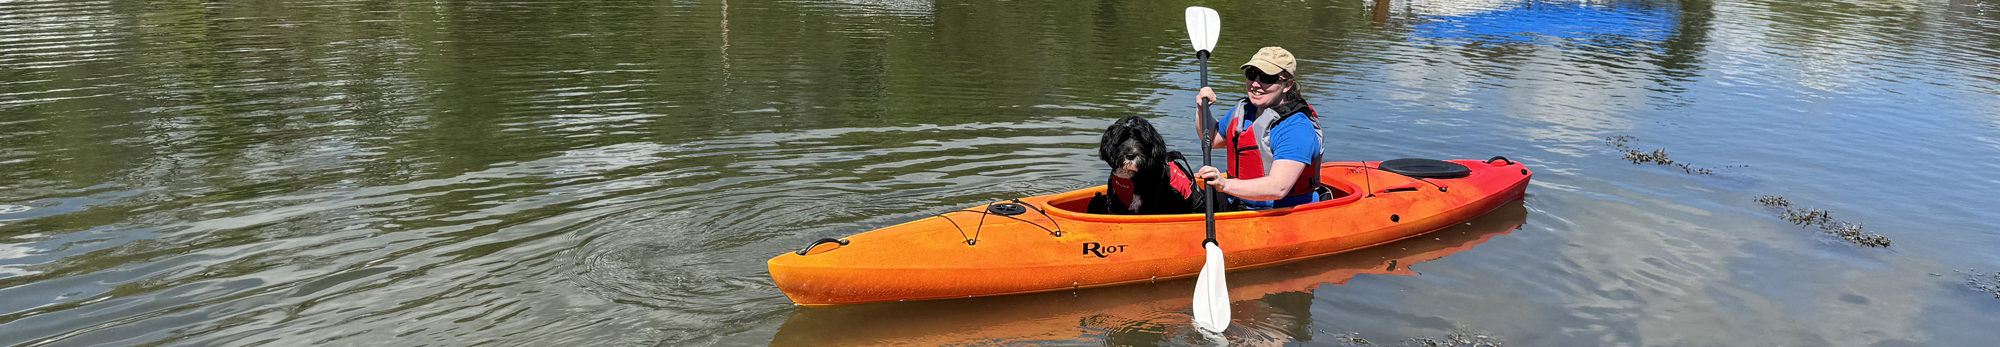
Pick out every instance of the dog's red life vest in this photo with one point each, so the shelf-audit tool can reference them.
(1250, 152)
(1180, 179)
(1123, 188)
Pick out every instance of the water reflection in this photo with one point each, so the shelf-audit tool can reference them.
(1273, 305)
(1576, 64)
(1547, 22)
(605, 172)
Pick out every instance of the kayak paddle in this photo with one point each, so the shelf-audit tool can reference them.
(1211, 292)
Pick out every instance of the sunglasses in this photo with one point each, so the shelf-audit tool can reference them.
(1258, 76)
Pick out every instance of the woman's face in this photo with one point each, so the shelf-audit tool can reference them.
(1266, 90)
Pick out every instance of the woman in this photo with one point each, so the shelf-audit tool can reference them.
(1272, 135)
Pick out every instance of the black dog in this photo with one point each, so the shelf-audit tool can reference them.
(1146, 177)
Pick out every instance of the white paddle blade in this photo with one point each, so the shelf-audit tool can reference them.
(1211, 293)
(1203, 27)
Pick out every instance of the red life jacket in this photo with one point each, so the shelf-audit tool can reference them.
(1249, 150)
(1177, 176)
(1122, 187)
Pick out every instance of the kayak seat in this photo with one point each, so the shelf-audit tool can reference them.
(1425, 168)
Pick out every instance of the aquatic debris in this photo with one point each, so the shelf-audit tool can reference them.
(1774, 201)
(1813, 217)
(1807, 216)
(1353, 339)
(1456, 339)
(1657, 156)
(1989, 283)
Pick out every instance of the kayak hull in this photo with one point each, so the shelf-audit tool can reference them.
(1055, 246)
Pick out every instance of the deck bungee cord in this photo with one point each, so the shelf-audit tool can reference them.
(1368, 184)
(1008, 209)
(1421, 170)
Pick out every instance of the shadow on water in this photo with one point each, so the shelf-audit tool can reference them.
(1273, 303)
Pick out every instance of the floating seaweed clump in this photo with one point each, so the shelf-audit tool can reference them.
(1353, 339)
(1657, 156)
(1456, 339)
(1807, 216)
(1989, 283)
(1813, 217)
(1853, 233)
(1774, 201)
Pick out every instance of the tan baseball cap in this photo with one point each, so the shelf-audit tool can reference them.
(1272, 60)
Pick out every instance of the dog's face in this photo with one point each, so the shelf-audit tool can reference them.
(1130, 146)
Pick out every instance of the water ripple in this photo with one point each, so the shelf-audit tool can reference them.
(616, 172)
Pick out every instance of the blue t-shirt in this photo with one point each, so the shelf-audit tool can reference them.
(1292, 139)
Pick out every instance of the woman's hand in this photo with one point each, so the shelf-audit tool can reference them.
(1202, 99)
(1211, 176)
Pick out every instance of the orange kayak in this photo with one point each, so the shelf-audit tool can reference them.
(1037, 319)
(1048, 243)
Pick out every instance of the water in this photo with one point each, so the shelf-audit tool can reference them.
(616, 172)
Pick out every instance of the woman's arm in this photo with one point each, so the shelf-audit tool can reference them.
(1296, 142)
(1284, 173)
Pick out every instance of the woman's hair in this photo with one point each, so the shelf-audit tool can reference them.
(1294, 93)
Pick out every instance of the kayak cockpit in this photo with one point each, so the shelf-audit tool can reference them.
(1339, 190)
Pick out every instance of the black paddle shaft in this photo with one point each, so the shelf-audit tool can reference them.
(1207, 136)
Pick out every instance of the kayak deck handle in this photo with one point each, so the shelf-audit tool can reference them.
(816, 243)
(1509, 161)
